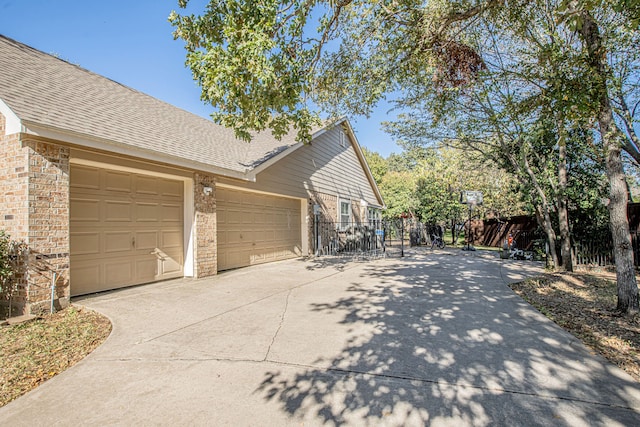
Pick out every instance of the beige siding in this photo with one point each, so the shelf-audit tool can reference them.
(325, 166)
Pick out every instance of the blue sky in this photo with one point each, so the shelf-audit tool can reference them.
(131, 42)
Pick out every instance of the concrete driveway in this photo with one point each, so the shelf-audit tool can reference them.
(435, 338)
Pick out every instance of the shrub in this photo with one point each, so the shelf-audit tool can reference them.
(12, 263)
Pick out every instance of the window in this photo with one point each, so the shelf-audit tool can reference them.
(374, 216)
(345, 214)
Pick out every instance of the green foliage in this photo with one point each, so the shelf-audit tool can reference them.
(426, 184)
(377, 164)
(251, 59)
(398, 192)
(12, 255)
(6, 270)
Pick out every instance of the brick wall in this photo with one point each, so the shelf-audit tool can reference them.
(14, 208)
(328, 206)
(328, 213)
(205, 250)
(48, 225)
(34, 183)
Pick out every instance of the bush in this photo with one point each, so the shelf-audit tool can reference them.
(12, 255)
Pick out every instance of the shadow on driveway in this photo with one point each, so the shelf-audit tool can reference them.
(443, 340)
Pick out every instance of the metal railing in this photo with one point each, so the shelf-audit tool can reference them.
(353, 238)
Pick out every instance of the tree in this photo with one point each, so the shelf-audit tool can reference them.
(259, 62)
(398, 191)
(377, 164)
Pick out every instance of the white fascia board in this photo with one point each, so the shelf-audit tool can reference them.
(127, 150)
(12, 121)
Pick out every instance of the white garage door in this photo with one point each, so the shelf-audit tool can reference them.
(126, 229)
(256, 228)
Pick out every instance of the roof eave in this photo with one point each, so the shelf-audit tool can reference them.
(82, 140)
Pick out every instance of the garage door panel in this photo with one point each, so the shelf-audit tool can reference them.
(171, 239)
(84, 209)
(146, 240)
(171, 266)
(85, 177)
(146, 268)
(117, 181)
(269, 228)
(117, 211)
(117, 241)
(235, 237)
(172, 189)
(86, 243)
(118, 272)
(172, 213)
(85, 277)
(147, 212)
(146, 185)
(234, 216)
(170, 261)
(247, 218)
(115, 233)
(238, 257)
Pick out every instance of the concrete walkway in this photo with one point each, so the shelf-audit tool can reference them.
(435, 338)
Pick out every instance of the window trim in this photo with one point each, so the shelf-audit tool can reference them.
(341, 223)
(377, 215)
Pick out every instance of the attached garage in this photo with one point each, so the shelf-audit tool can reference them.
(125, 229)
(134, 190)
(255, 228)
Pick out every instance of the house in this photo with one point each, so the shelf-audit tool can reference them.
(110, 187)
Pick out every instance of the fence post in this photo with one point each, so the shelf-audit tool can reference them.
(401, 237)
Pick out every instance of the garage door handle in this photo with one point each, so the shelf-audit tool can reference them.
(133, 242)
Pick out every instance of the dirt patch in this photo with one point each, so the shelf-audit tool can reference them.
(584, 305)
(33, 352)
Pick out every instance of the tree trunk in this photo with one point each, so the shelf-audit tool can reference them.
(622, 247)
(563, 212)
(619, 222)
(454, 232)
(544, 220)
(542, 211)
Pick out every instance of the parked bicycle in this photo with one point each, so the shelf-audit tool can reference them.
(437, 241)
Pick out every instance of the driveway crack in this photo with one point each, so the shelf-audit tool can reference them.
(282, 316)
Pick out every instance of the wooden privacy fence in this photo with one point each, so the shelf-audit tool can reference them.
(600, 252)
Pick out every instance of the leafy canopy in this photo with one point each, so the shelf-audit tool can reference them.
(264, 63)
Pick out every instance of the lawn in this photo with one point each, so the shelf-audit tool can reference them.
(33, 352)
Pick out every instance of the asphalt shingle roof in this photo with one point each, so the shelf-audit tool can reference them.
(47, 91)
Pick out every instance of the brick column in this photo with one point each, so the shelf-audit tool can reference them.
(48, 235)
(34, 208)
(205, 248)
